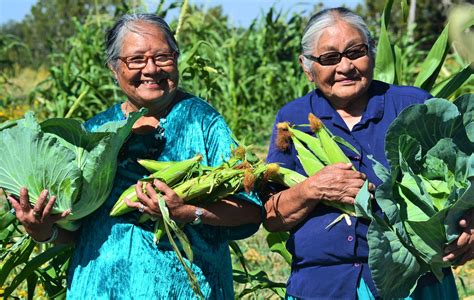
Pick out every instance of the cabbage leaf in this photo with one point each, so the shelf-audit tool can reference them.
(76, 166)
(426, 191)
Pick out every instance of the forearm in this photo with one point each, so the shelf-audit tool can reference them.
(231, 213)
(287, 209)
(65, 237)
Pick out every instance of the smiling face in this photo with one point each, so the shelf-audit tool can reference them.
(152, 87)
(348, 81)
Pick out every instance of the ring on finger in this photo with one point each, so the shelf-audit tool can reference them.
(37, 214)
(141, 208)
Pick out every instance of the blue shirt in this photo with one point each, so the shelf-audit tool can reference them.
(327, 263)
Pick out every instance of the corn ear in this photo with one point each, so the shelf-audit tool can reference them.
(290, 178)
(309, 161)
(286, 177)
(205, 184)
(159, 230)
(120, 207)
(171, 175)
(314, 144)
(330, 147)
(153, 166)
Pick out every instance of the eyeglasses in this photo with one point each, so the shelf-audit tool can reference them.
(137, 62)
(332, 58)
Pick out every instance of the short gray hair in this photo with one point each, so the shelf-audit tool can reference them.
(327, 18)
(127, 23)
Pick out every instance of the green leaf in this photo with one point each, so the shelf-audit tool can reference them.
(49, 157)
(424, 196)
(458, 209)
(240, 255)
(259, 281)
(169, 224)
(433, 62)
(450, 85)
(384, 69)
(99, 171)
(465, 105)
(33, 264)
(387, 252)
(76, 166)
(363, 205)
(18, 254)
(277, 243)
(429, 237)
(426, 123)
(343, 142)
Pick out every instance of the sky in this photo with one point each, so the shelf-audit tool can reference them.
(240, 12)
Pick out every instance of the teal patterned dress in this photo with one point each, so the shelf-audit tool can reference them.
(116, 258)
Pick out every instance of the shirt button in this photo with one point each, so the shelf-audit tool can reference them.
(356, 264)
(350, 238)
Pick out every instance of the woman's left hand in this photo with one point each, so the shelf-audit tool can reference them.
(148, 202)
(462, 249)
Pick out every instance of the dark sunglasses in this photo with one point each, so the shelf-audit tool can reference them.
(332, 58)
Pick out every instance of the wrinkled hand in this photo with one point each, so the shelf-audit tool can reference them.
(337, 182)
(148, 202)
(37, 220)
(462, 249)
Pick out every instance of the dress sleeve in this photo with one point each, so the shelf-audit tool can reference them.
(219, 143)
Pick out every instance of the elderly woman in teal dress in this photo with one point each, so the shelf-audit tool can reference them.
(116, 258)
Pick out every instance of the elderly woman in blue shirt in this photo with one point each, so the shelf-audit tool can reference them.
(338, 56)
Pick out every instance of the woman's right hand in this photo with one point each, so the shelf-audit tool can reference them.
(37, 220)
(337, 182)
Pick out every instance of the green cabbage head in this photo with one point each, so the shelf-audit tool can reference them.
(76, 166)
(424, 194)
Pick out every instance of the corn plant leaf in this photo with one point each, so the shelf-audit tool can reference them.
(277, 243)
(433, 62)
(343, 142)
(448, 86)
(240, 255)
(398, 56)
(260, 281)
(34, 264)
(18, 254)
(6, 218)
(384, 69)
(167, 221)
